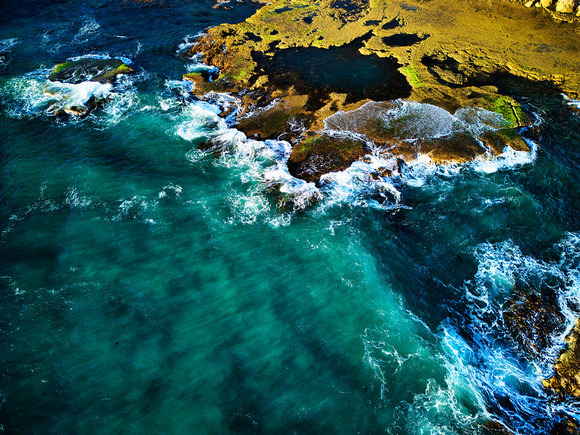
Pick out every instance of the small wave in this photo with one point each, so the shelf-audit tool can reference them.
(188, 42)
(88, 28)
(375, 181)
(125, 60)
(7, 44)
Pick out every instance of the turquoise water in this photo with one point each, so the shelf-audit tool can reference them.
(149, 284)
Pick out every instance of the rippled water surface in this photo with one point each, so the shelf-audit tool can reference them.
(150, 284)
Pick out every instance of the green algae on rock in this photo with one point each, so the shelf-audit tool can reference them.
(78, 86)
(319, 155)
(437, 64)
(89, 69)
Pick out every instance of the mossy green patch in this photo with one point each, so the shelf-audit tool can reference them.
(413, 76)
(61, 67)
(512, 111)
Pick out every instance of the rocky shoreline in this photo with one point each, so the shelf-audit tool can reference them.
(449, 56)
(448, 61)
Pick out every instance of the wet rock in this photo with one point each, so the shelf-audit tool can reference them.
(439, 70)
(546, 3)
(319, 155)
(531, 319)
(89, 70)
(5, 58)
(456, 148)
(276, 119)
(567, 426)
(203, 85)
(498, 140)
(566, 380)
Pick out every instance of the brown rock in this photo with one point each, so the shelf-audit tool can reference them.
(566, 380)
(498, 140)
(457, 148)
(531, 319)
(319, 155)
(567, 426)
(271, 123)
(565, 6)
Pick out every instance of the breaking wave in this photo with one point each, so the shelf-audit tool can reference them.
(482, 344)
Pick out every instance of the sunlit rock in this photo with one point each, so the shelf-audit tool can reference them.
(566, 380)
(89, 70)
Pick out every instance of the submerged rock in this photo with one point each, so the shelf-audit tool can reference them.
(5, 58)
(532, 319)
(89, 70)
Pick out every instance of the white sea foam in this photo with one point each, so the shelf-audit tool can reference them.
(488, 361)
(571, 101)
(7, 44)
(87, 30)
(188, 42)
(376, 181)
(507, 160)
(33, 95)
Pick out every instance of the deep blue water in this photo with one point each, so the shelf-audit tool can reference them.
(149, 285)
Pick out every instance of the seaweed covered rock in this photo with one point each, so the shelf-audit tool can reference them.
(89, 69)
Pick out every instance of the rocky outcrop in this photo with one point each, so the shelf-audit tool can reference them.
(562, 10)
(532, 319)
(448, 66)
(321, 154)
(89, 70)
(79, 86)
(566, 379)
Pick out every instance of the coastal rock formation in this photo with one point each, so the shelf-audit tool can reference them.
(76, 87)
(89, 70)
(531, 319)
(566, 380)
(561, 10)
(267, 62)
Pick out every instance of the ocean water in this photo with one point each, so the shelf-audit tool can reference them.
(161, 273)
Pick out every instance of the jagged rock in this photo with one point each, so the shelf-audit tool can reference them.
(276, 120)
(89, 70)
(531, 319)
(546, 3)
(440, 69)
(566, 380)
(565, 6)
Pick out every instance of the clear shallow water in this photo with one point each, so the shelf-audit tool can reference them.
(150, 286)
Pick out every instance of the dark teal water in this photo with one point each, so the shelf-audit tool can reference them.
(149, 286)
